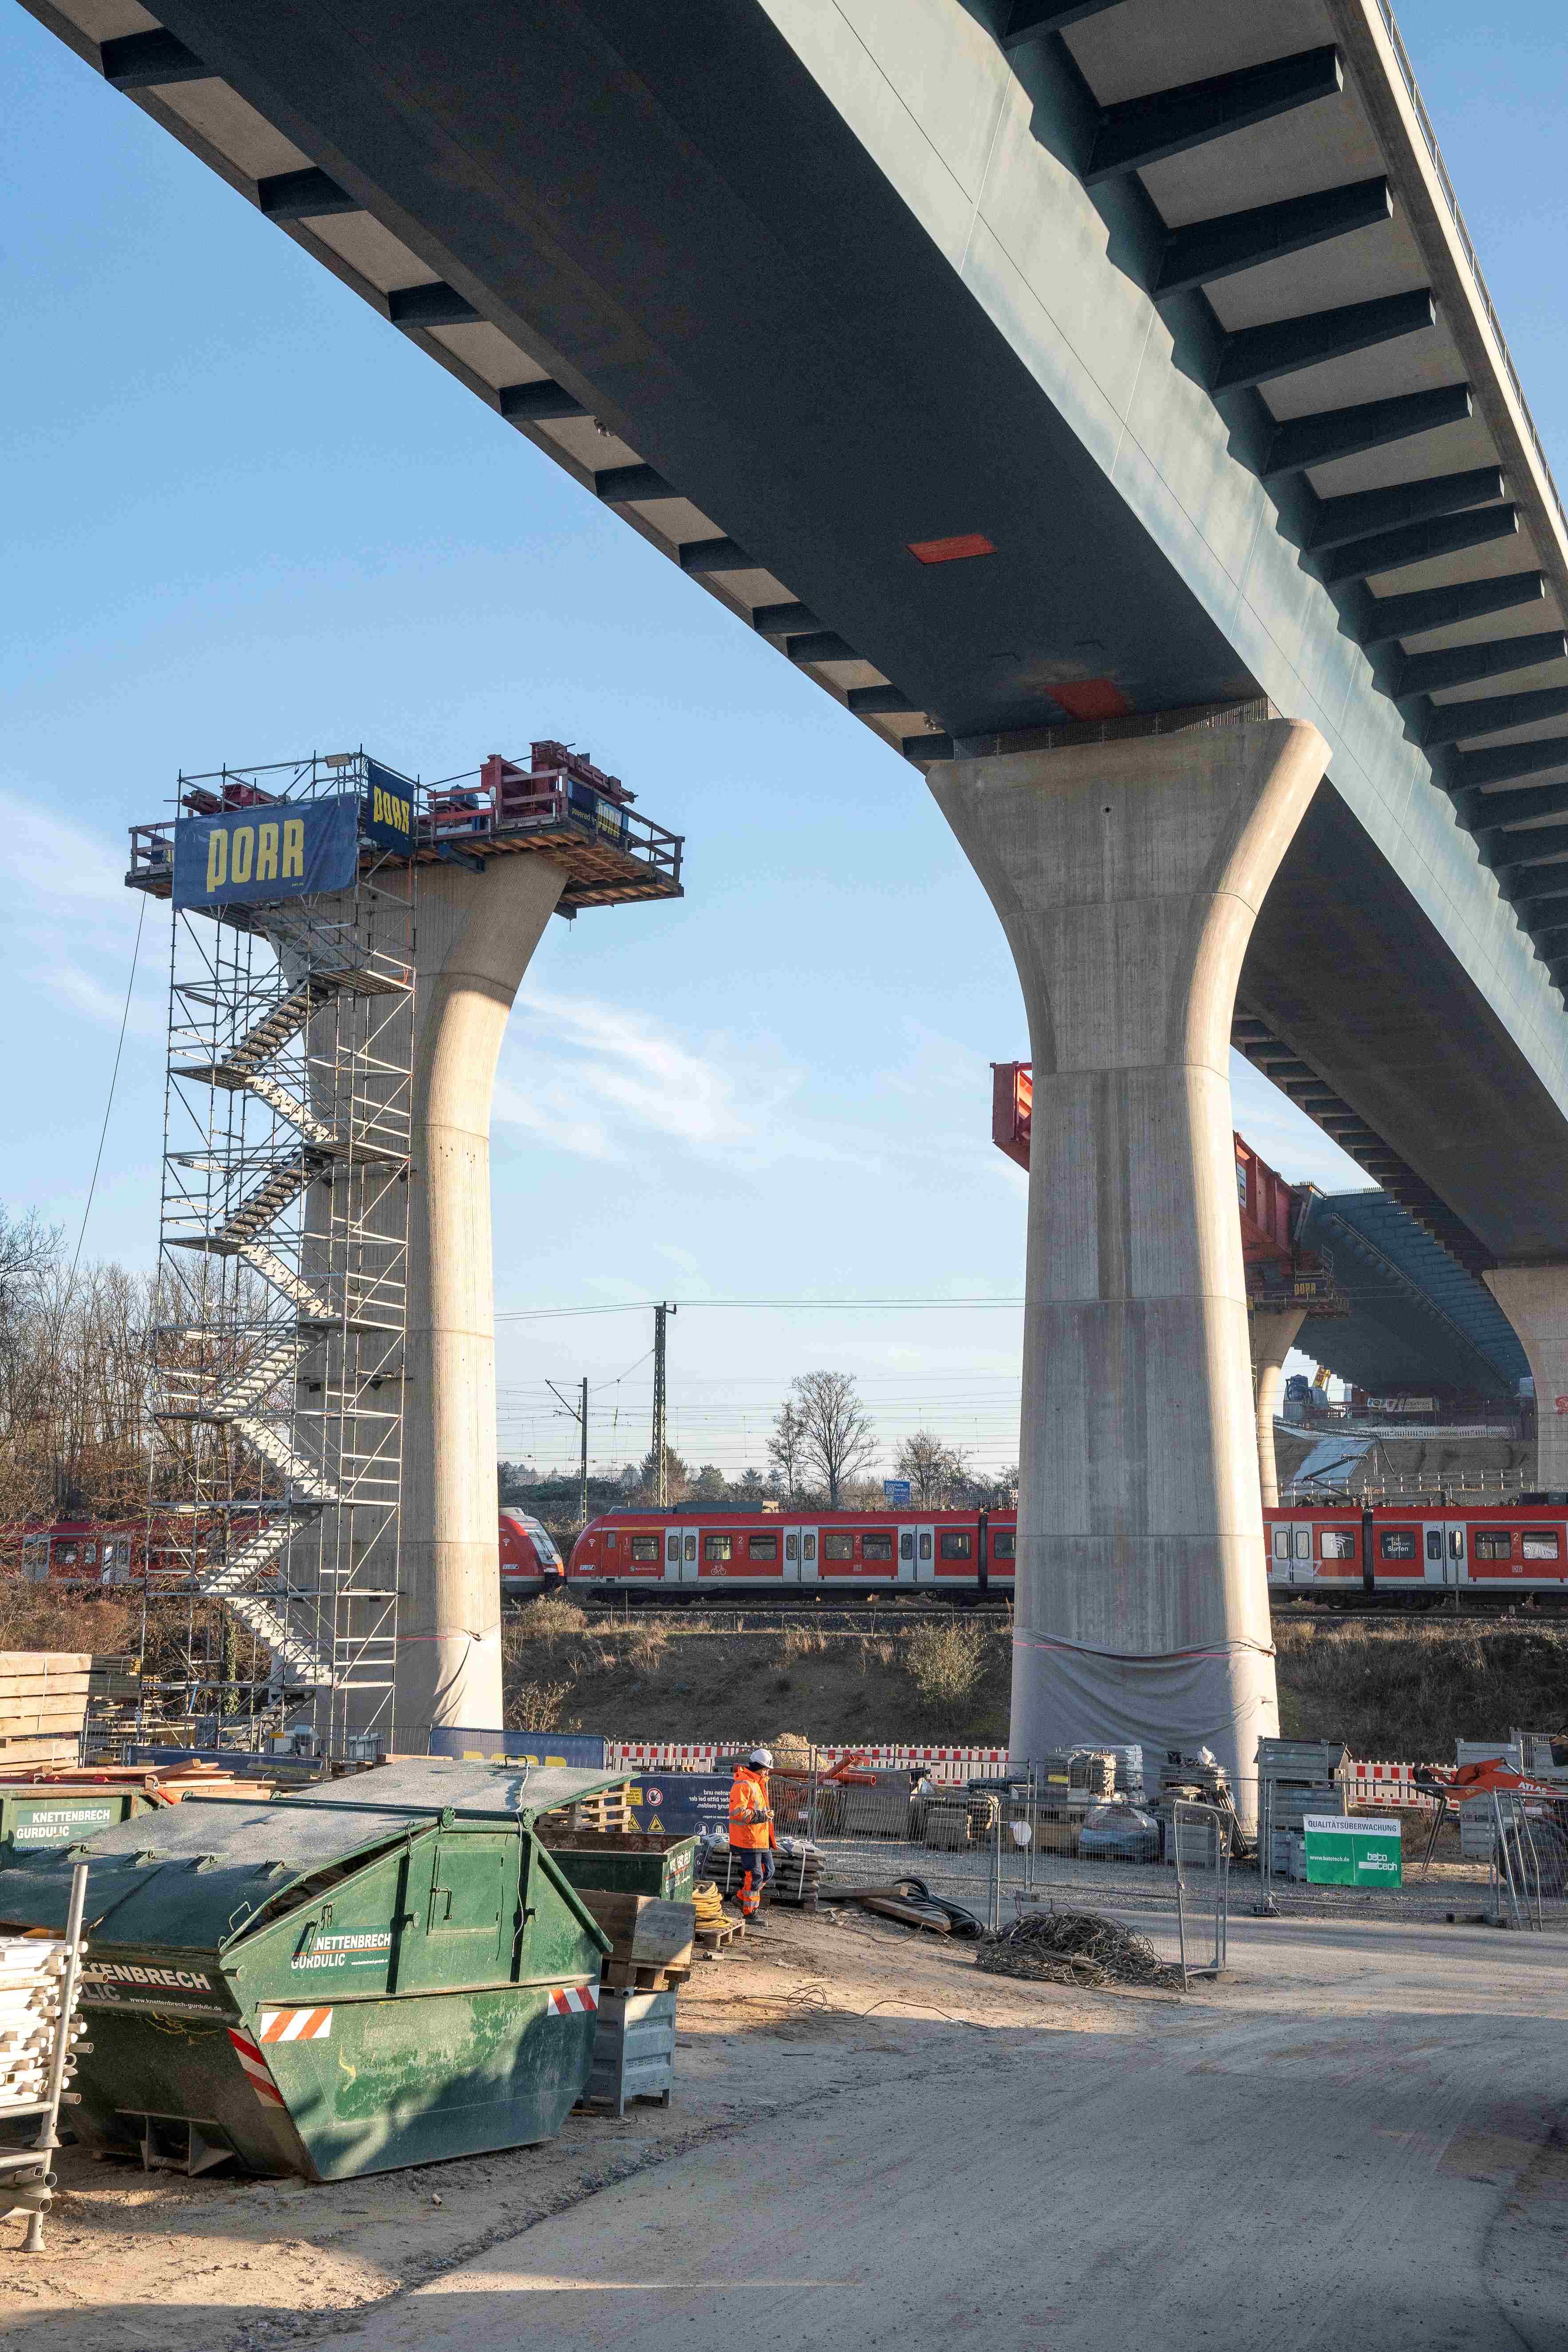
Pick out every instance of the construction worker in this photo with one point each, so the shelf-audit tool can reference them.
(752, 1827)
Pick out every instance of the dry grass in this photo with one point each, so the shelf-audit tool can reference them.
(802, 1642)
(1405, 1696)
(550, 1621)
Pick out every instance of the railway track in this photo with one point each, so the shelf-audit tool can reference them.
(900, 1616)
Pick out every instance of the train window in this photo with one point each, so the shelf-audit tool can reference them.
(1434, 1543)
(1303, 1543)
(717, 1547)
(953, 1545)
(644, 1547)
(66, 1555)
(1494, 1543)
(1540, 1543)
(1396, 1543)
(1337, 1543)
(906, 1546)
(672, 1551)
(763, 1546)
(1281, 1543)
(90, 1555)
(610, 1541)
(837, 1544)
(808, 1547)
(792, 1547)
(690, 1548)
(1004, 1545)
(876, 1545)
(925, 1543)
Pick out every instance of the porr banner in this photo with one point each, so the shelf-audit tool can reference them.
(280, 849)
(389, 816)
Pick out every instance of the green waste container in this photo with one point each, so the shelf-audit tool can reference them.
(326, 1985)
(627, 1862)
(33, 1820)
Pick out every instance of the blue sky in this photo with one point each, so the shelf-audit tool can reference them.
(244, 518)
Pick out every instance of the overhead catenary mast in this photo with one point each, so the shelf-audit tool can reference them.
(660, 1439)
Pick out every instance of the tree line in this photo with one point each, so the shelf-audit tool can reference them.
(819, 1454)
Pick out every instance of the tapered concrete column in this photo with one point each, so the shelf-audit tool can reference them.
(476, 933)
(1128, 877)
(1535, 1300)
(1272, 1336)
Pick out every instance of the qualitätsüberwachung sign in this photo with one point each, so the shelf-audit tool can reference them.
(1347, 1850)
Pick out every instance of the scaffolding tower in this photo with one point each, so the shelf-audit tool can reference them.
(280, 1321)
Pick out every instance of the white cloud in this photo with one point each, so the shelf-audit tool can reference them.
(599, 1082)
(70, 919)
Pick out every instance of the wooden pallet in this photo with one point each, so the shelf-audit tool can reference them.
(729, 1931)
(633, 1976)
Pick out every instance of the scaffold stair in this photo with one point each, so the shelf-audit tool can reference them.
(306, 1663)
(305, 1479)
(257, 1209)
(266, 1038)
(224, 1580)
(278, 1362)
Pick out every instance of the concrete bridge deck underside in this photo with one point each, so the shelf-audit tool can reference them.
(825, 272)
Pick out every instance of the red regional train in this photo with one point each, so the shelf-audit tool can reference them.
(88, 1552)
(1341, 1554)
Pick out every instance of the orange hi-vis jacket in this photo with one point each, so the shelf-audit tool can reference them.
(751, 1815)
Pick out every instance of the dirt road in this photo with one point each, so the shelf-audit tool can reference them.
(1352, 2141)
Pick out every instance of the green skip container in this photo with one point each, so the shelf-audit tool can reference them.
(627, 1862)
(389, 1969)
(35, 1820)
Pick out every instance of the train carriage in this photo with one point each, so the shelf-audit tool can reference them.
(718, 1551)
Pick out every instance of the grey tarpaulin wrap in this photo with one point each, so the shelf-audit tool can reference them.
(1187, 1698)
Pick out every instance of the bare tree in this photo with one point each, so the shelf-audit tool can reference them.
(786, 1451)
(835, 1430)
(936, 1471)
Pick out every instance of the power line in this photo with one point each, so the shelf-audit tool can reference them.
(831, 1306)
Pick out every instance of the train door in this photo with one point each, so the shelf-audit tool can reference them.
(925, 1555)
(906, 1555)
(809, 1548)
(680, 1566)
(1443, 1552)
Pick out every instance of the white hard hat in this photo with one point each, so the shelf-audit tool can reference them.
(763, 1756)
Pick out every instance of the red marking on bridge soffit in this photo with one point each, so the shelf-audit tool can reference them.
(1088, 698)
(951, 550)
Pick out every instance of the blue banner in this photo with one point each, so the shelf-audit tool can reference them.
(279, 849)
(576, 1748)
(389, 817)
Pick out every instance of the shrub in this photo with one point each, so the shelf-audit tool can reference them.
(537, 1706)
(946, 1661)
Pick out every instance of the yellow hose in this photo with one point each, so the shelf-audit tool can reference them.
(708, 1907)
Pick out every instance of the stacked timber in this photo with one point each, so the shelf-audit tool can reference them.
(606, 1808)
(43, 1706)
(32, 1979)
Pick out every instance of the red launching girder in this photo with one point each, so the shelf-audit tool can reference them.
(1268, 1205)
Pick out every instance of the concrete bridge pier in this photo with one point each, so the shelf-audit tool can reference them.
(1127, 877)
(1272, 1336)
(1535, 1300)
(476, 934)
